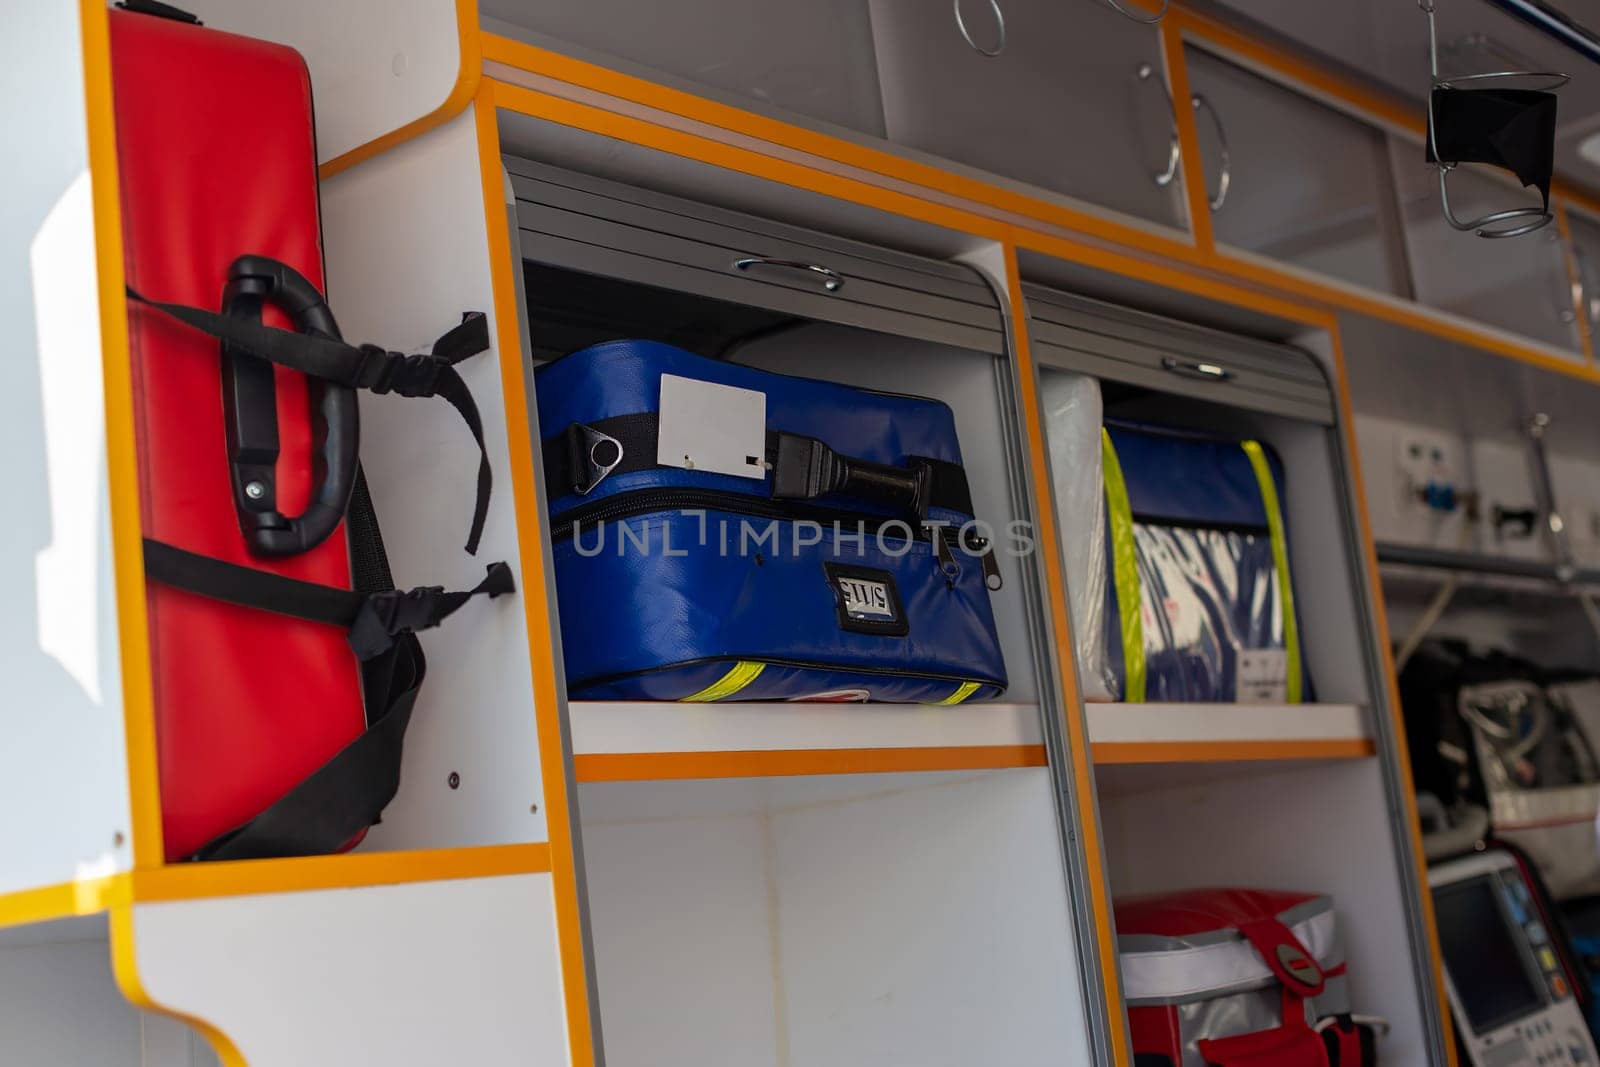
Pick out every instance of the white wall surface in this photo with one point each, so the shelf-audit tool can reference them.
(63, 774)
(917, 920)
(418, 975)
(407, 253)
(376, 65)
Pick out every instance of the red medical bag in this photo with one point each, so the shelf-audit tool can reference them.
(1238, 978)
(217, 161)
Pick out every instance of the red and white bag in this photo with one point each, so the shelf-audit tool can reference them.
(1238, 978)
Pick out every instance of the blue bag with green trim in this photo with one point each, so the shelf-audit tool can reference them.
(720, 532)
(1200, 601)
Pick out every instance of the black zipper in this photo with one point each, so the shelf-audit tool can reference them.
(649, 501)
(653, 501)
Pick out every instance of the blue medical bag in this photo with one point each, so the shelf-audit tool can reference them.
(1200, 599)
(830, 556)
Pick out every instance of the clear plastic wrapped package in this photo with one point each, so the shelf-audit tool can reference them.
(1201, 604)
(1072, 413)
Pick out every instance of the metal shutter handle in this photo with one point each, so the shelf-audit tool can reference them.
(1196, 369)
(832, 280)
(1000, 24)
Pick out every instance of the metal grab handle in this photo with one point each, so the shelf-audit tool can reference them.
(1000, 24)
(1225, 177)
(1141, 18)
(832, 281)
(1205, 372)
(1165, 178)
(1146, 72)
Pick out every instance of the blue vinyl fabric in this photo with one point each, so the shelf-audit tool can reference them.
(660, 605)
(1208, 584)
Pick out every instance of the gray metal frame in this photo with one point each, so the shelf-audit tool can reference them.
(1106, 341)
(568, 771)
(1053, 709)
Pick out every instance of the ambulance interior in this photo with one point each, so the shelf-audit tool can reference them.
(1267, 336)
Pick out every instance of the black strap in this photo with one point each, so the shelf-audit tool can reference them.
(325, 812)
(1514, 129)
(570, 459)
(374, 619)
(363, 367)
(347, 794)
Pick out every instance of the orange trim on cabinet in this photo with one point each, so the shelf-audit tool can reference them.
(88, 896)
(536, 104)
(1124, 752)
(1196, 191)
(1046, 213)
(1077, 731)
(122, 469)
(1402, 752)
(626, 128)
(468, 73)
(239, 878)
(536, 596)
(876, 161)
(125, 969)
(749, 763)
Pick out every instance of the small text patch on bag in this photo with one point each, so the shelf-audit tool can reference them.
(867, 599)
(1263, 676)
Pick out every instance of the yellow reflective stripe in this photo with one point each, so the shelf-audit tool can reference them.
(1124, 573)
(1280, 561)
(740, 675)
(963, 691)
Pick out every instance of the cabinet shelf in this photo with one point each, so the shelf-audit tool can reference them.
(644, 741)
(640, 741)
(1219, 733)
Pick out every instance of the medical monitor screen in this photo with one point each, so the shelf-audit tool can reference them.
(1486, 966)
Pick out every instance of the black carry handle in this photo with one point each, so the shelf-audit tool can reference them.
(250, 412)
(804, 468)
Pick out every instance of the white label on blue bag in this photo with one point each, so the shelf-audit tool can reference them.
(709, 427)
(1263, 676)
(865, 599)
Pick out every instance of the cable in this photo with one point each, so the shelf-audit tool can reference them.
(1436, 608)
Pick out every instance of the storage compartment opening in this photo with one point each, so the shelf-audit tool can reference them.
(1331, 627)
(843, 920)
(569, 310)
(1321, 827)
(62, 1006)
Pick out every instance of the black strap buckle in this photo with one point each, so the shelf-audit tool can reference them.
(591, 455)
(386, 615)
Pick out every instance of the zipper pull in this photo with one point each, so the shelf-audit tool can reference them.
(946, 556)
(984, 550)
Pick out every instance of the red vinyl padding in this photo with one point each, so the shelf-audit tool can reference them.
(216, 158)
